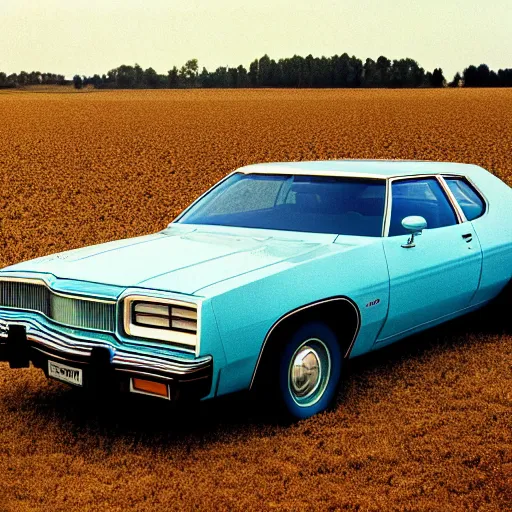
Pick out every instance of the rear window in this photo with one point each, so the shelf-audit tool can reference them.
(468, 198)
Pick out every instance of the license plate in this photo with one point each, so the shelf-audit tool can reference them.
(65, 373)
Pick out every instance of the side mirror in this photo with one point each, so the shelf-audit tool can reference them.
(414, 224)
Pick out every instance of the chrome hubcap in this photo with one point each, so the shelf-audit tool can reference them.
(306, 371)
(309, 372)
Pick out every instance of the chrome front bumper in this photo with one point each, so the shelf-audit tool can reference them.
(3, 331)
(22, 341)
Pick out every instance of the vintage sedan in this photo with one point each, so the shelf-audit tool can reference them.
(269, 281)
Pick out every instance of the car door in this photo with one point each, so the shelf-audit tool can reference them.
(440, 274)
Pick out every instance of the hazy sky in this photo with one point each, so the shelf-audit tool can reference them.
(93, 36)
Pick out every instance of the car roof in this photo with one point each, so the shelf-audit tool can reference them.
(362, 168)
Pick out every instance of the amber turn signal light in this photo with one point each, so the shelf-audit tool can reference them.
(150, 387)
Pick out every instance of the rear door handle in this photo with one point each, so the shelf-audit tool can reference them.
(468, 237)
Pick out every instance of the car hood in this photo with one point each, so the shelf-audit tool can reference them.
(179, 259)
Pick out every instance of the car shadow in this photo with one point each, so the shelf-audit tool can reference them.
(149, 422)
(469, 330)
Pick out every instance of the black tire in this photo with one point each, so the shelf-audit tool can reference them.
(310, 385)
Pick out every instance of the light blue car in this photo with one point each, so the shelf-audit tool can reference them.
(269, 281)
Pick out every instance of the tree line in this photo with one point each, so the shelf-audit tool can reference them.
(32, 78)
(337, 71)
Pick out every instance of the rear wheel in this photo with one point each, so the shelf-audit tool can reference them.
(309, 370)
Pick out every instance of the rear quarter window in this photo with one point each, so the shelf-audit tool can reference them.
(470, 201)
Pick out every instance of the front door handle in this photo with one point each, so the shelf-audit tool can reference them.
(468, 237)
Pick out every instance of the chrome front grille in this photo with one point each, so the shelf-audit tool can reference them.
(25, 295)
(88, 314)
(83, 313)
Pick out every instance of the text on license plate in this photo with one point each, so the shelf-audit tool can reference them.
(65, 373)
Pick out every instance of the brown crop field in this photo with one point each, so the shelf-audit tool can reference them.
(423, 425)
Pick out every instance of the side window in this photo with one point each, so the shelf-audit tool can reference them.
(470, 202)
(423, 197)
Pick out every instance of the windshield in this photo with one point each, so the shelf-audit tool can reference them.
(318, 204)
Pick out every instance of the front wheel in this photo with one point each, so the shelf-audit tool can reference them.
(309, 370)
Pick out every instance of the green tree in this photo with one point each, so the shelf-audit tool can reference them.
(182, 76)
(254, 73)
(139, 76)
(456, 80)
(242, 77)
(505, 77)
(470, 76)
(309, 71)
(97, 81)
(12, 80)
(23, 78)
(173, 78)
(383, 68)
(34, 78)
(356, 72)
(204, 79)
(150, 78)
(483, 75)
(264, 73)
(324, 77)
(438, 79)
(294, 70)
(370, 78)
(125, 77)
(78, 82)
(191, 71)
(406, 73)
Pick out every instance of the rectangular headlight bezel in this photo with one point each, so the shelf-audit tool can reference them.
(181, 336)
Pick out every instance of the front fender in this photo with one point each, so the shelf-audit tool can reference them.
(246, 312)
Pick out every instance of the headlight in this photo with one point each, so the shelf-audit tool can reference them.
(166, 320)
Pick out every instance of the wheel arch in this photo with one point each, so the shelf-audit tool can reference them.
(325, 310)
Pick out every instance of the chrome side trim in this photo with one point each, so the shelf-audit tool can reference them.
(276, 170)
(451, 198)
(387, 210)
(298, 310)
(159, 363)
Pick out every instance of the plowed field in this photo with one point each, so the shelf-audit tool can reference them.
(423, 425)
